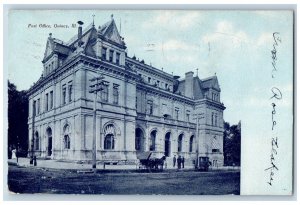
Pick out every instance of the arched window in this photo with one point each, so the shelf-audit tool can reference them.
(67, 141)
(167, 144)
(37, 141)
(180, 143)
(191, 143)
(109, 139)
(152, 140)
(109, 142)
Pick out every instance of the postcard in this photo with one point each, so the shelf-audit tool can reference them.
(150, 102)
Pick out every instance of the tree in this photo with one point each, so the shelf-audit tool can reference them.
(17, 120)
(232, 144)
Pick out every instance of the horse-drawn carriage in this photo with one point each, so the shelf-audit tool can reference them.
(203, 164)
(151, 163)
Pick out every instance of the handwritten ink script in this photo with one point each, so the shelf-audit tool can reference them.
(276, 95)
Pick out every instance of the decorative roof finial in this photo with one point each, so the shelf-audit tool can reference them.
(50, 35)
(215, 74)
(197, 71)
(112, 16)
(93, 20)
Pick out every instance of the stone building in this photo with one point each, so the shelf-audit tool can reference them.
(139, 108)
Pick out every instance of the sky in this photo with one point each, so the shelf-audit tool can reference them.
(234, 45)
(215, 42)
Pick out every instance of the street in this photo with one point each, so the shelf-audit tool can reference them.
(41, 180)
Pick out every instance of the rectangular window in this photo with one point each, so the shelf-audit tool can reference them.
(187, 115)
(149, 80)
(118, 58)
(34, 108)
(47, 99)
(212, 118)
(104, 93)
(70, 89)
(111, 55)
(38, 106)
(116, 93)
(64, 94)
(215, 150)
(150, 107)
(176, 113)
(103, 53)
(51, 99)
(216, 119)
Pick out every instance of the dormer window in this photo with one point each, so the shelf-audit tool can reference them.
(111, 54)
(118, 58)
(103, 53)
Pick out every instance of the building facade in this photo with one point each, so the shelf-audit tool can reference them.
(139, 108)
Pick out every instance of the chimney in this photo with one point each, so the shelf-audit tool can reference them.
(80, 29)
(189, 84)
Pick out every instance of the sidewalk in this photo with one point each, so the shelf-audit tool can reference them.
(56, 164)
(72, 165)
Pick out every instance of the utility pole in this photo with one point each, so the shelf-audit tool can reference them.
(197, 137)
(96, 85)
(32, 139)
(198, 117)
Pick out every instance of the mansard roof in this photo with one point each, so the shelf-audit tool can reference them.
(109, 30)
(211, 82)
(85, 43)
(199, 86)
(55, 45)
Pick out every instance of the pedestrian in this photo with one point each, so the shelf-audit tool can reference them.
(9, 152)
(174, 160)
(34, 161)
(182, 161)
(179, 162)
(14, 154)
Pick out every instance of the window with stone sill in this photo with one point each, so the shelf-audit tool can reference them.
(47, 105)
(118, 58)
(104, 92)
(38, 106)
(51, 99)
(103, 53)
(176, 113)
(150, 107)
(111, 54)
(115, 93)
(64, 94)
(70, 91)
